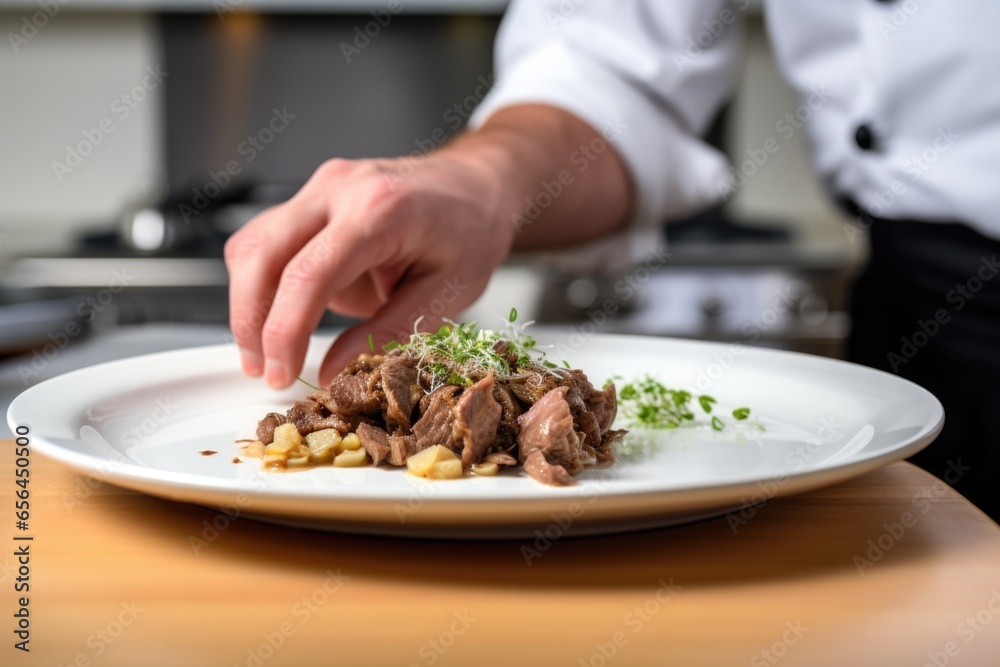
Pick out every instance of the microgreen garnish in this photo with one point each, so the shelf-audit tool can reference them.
(648, 403)
(457, 351)
(308, 384)
(371, 342)
(741, 413)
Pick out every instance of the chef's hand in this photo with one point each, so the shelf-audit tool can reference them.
(395, 239)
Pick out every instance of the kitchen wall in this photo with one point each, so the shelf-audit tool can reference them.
(66, 82)
(64, 85)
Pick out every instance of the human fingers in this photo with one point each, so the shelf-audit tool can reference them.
(334, 259)
(367, 294)
(394, 321)
(255, 257)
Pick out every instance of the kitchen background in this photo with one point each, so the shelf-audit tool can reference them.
(120, 118)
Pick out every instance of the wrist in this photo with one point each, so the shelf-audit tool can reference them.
(545, 199)
(491, 161)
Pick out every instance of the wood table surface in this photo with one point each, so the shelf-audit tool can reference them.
(892, 568)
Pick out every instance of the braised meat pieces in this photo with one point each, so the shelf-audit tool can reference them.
(554, 423)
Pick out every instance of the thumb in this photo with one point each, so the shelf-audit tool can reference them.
(414, 299)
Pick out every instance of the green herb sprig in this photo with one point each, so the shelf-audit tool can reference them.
(308, 384)
(457, 350)
(650, 404)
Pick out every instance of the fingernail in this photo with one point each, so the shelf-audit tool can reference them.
(275, 374)
(253, 363)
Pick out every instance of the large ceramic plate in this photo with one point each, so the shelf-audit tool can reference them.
(141, 422)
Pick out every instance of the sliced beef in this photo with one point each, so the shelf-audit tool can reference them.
(309, 416)
(349, 395)
(375, 441)
(424, 403)
(426, 379)
(402, 447)
(588, 455)
(604, 405)
(436, 424)
(266, 426)
(583, 419)
(365, 363)
(542, 471)
(611, 437)
(510, 410)
(606, 452)
(592, 414)
(548, 428)
(384, 447)
(502, 348)
(398, 378)
(477, 415)
(530, 387)
(500, 458)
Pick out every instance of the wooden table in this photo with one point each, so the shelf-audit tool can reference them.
(890, 569)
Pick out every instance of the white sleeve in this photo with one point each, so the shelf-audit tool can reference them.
(651, 74)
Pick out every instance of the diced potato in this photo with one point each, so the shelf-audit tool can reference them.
(286, 437)
(277, 449)
(485, 469)
(323, 445)
(288, 432)
(322, 455)
(254, 450)
(435, 462)
(274, 460)
(297, 461)
(351, 458)
(350, 441)
(451, 469)
(323, 438)
(419, 464)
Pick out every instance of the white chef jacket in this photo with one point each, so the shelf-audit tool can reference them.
(901, 98)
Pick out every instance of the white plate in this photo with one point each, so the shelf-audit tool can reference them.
(141, 422)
